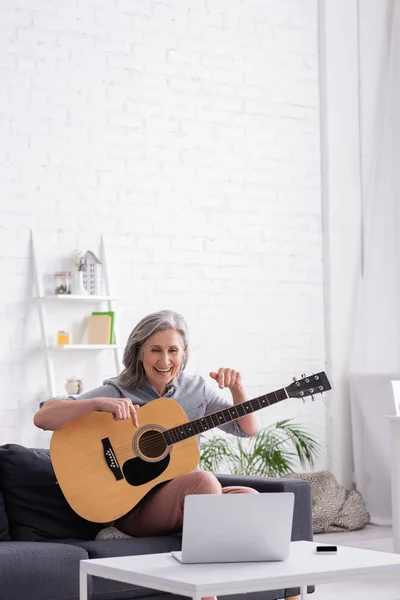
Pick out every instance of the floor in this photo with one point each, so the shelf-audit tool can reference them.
(371, 587)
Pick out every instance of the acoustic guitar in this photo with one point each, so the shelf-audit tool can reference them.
(105, 467)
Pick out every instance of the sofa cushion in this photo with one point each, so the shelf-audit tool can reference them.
(4, 529)
(36, 508)
(40, 571)
(129, 546)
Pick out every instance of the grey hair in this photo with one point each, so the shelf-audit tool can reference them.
(134, 374)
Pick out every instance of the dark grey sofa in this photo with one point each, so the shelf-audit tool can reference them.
(42, 540)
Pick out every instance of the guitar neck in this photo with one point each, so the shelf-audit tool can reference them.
(187, 430)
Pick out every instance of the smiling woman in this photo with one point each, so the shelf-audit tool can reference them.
(162, 355)
(152, 336)
(155, 359)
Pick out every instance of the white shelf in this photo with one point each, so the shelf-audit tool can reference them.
(41, 297)
(81, 297)
(85, 347)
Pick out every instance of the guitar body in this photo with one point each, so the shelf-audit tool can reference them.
(105, 467)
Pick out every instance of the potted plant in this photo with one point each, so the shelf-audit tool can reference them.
(273, 452)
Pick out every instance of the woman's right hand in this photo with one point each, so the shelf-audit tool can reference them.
(120, 408)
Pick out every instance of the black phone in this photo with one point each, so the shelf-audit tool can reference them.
(326, 549)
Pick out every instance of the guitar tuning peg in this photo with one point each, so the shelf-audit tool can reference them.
(322, 394)
(312, 398)
(303, 374)
(294, 378)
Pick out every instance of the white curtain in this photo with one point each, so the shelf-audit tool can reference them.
(376, 343)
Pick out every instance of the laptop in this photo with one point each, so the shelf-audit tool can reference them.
(236, 528)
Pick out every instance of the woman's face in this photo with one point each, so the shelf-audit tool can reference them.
(162, 355)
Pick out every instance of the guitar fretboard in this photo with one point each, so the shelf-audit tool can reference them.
(187, 430)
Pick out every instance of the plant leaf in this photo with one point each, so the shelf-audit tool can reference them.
(271, 453)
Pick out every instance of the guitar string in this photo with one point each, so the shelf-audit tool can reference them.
(153, 441)
(150, 442)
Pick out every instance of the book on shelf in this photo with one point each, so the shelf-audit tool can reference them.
(99, 329)
(109, 333)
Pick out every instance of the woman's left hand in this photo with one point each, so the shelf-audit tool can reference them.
(227, 378)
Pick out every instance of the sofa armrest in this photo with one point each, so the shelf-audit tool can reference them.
(302, 516)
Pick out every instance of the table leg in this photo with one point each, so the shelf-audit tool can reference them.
(303, 592)
(83, 585)
(395, 477)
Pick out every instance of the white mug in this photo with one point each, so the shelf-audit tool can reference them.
(74, 386)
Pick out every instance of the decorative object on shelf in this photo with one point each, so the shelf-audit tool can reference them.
(74, 386)
(91, 272)
(63, 337)
(79, 286)
(63, 282)
(78, 282)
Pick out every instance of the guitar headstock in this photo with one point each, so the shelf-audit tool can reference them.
(309, 386)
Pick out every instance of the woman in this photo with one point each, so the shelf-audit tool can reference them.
(155, 358)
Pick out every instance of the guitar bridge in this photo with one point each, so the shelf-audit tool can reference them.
(111, 459)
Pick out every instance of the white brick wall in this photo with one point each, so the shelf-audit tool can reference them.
(188, 132)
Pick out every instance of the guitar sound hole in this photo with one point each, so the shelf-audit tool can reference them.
(152, 444)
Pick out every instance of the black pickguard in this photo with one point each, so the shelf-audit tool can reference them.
(137, 471)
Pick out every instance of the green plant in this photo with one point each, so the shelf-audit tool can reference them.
(273, 452)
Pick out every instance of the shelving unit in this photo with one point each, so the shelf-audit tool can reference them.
(80, 298)
(85, 347)
(42, 301)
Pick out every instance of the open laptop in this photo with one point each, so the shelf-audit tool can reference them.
(236, 528)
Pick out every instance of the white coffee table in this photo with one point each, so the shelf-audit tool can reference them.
(303, 568)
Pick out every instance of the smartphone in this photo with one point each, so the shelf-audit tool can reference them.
(326, 549)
